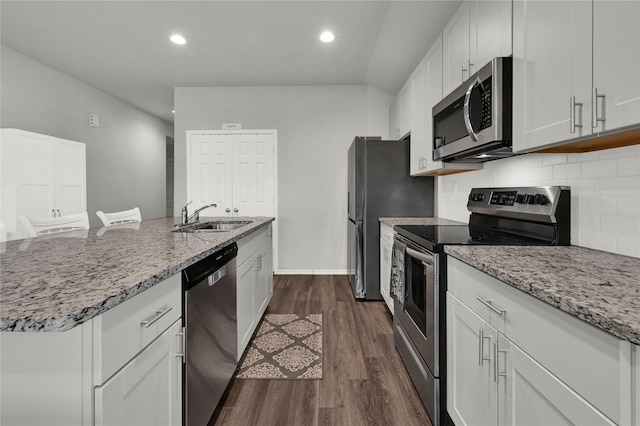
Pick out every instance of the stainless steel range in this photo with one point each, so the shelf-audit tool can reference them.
(499, 216)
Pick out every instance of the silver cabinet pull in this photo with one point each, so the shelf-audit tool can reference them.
(235, 210)
(58, 211)
(595, 118)
(488, 304)
(227, 210)
(573, 123)
(53, 213)
(496, 373)
(155, 317)
(462, 71)
(481, 337)
(181, 345)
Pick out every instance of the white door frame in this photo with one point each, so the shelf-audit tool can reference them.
(273, 132)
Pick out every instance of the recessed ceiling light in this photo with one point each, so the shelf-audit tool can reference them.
(178, 39)
(327, 37)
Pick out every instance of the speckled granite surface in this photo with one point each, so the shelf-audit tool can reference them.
(55, 283)
(392, 221)
(600, 288)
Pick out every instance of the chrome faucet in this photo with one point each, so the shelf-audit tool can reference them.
(185, 213)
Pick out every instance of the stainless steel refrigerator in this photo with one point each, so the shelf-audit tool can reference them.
(379, 186)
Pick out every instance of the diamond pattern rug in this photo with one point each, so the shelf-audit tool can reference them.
(286, 346)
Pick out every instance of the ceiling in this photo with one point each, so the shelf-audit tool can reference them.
(123, 48)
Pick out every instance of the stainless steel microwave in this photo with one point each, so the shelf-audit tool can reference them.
(473, 123)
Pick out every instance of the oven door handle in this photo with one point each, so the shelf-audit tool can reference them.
(420, 256)
(467, 116)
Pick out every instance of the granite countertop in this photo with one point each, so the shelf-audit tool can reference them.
(56, 282)
(393, 221)
(600, 288)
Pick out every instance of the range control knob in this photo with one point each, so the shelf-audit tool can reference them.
(520, 198)
(541, 199)
(475, 196)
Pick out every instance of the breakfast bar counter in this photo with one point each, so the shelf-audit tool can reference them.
(56, 282)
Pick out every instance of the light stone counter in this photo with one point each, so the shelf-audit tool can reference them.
(393, 221)
(600, 288)
(56, 282)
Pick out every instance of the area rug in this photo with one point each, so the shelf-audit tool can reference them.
(286, 346)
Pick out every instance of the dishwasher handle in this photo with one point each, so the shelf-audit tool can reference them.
(211, 264)
(217, 276)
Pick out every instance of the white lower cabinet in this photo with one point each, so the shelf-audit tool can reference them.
(527, 362)
(123, 367)
(254, 283)
(386, 250)
(152, 379)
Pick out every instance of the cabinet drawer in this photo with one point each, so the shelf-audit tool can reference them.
(122, 332)
(478, 291)
(592, 362)
(386, 233)
(251, 243)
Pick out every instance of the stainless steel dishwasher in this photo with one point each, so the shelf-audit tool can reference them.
(210, 321)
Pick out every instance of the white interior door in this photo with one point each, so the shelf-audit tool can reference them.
(70, 177)
(210, 173)
(253, 175)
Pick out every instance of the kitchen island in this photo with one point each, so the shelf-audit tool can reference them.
(57, 282)
(91, 320)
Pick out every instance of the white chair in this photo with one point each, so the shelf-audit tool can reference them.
(125, 216)
(52, 225)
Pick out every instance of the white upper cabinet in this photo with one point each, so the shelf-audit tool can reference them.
(576, 70)
(479, 31)
(551, 71)
(489, 31)
(42, 176)
(455, 37)
(616, 64)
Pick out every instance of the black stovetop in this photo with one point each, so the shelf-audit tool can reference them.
(434, 237)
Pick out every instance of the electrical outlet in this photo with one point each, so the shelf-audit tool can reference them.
(94, 120)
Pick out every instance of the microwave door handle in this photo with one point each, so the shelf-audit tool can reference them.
(467, 118)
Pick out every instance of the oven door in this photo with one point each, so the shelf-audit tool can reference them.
(419, 313)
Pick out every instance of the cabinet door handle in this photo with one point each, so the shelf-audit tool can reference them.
(182, 345)
(496, 352)
(58, 211)
(463, 70)
(53, 213)
(481, 337)
(573, 123)
(489, 305)
(235, 210)
(595, 118)
(155, 317)
(227, 210)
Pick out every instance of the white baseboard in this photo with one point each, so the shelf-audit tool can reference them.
(311, 272)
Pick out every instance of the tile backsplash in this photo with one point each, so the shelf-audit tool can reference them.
(605, 192)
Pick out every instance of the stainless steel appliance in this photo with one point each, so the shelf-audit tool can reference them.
(210, 322)
(473, 123)
(379, 185)
(499, 216)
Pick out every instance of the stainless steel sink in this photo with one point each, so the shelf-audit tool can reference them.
(212, 226)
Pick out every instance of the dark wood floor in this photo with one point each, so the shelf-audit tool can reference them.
(364, 381)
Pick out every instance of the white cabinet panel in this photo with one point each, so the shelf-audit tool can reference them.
(551, 72)
(489, 31)
(146, 391)
(254, 283)
(455, 37)
(616, 64)
(471, 391)
(48, 177)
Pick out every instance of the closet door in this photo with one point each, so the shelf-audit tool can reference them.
(253, 184)
(210, 173)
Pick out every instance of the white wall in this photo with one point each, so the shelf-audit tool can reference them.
(125, 155)
(605, 192)
(316, 125)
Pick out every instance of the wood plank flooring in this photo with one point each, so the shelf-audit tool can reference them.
(364, 381)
